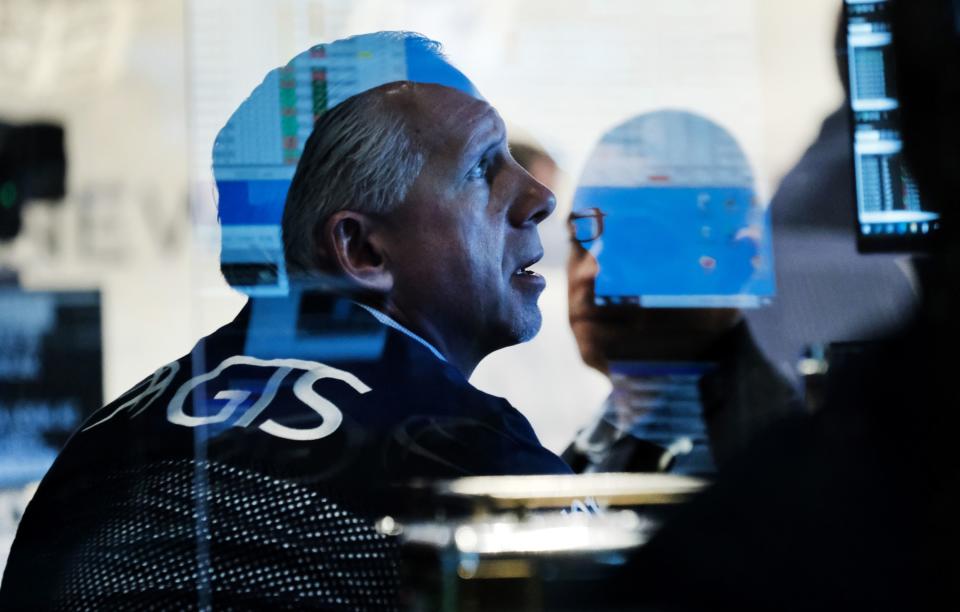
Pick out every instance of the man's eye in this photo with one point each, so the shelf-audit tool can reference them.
(480, 170)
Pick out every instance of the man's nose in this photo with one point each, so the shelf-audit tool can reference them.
(533, 204)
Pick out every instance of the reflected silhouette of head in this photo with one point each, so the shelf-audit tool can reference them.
(405, 195)
(257, 152)
(665, 215)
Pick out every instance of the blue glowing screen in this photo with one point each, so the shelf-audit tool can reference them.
(681, 246)
(256, 153)
(678, 222)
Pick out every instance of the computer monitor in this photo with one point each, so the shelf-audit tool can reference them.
(891, 216)
(51, 376)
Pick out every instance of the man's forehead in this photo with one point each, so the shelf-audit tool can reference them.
(444, 116)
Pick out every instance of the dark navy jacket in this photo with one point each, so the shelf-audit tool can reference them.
(265, 435)
(405, 415)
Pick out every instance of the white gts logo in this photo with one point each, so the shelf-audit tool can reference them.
(311, 372)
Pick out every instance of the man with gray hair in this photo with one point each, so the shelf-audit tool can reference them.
(242, 473)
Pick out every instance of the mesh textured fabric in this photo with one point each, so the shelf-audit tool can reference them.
(197, 534)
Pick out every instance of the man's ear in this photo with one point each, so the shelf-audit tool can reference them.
(349, 239)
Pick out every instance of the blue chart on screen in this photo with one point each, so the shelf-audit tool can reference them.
(256, 153)
(680, 246)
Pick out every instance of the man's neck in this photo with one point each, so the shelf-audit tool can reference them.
(463, 358)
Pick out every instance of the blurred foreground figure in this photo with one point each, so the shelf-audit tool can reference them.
(245, 473)
(854, 508)
(668, 240)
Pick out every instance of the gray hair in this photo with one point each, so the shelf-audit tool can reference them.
(360, 156)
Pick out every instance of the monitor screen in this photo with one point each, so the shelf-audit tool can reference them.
(890, 213)
(50, 376)
(667, 205)
(257, 152)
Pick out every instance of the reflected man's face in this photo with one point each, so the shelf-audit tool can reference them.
(466, 234)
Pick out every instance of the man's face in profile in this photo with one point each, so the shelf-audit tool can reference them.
(465, 237)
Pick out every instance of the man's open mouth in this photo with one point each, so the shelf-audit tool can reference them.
(525, 278)
(525, 269)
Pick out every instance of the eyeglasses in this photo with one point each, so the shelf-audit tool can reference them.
(586, 225)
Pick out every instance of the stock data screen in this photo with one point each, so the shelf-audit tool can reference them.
(890, 213)
(50, 376)
(256, 154)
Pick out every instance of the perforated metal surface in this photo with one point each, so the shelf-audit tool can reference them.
(210, 536)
